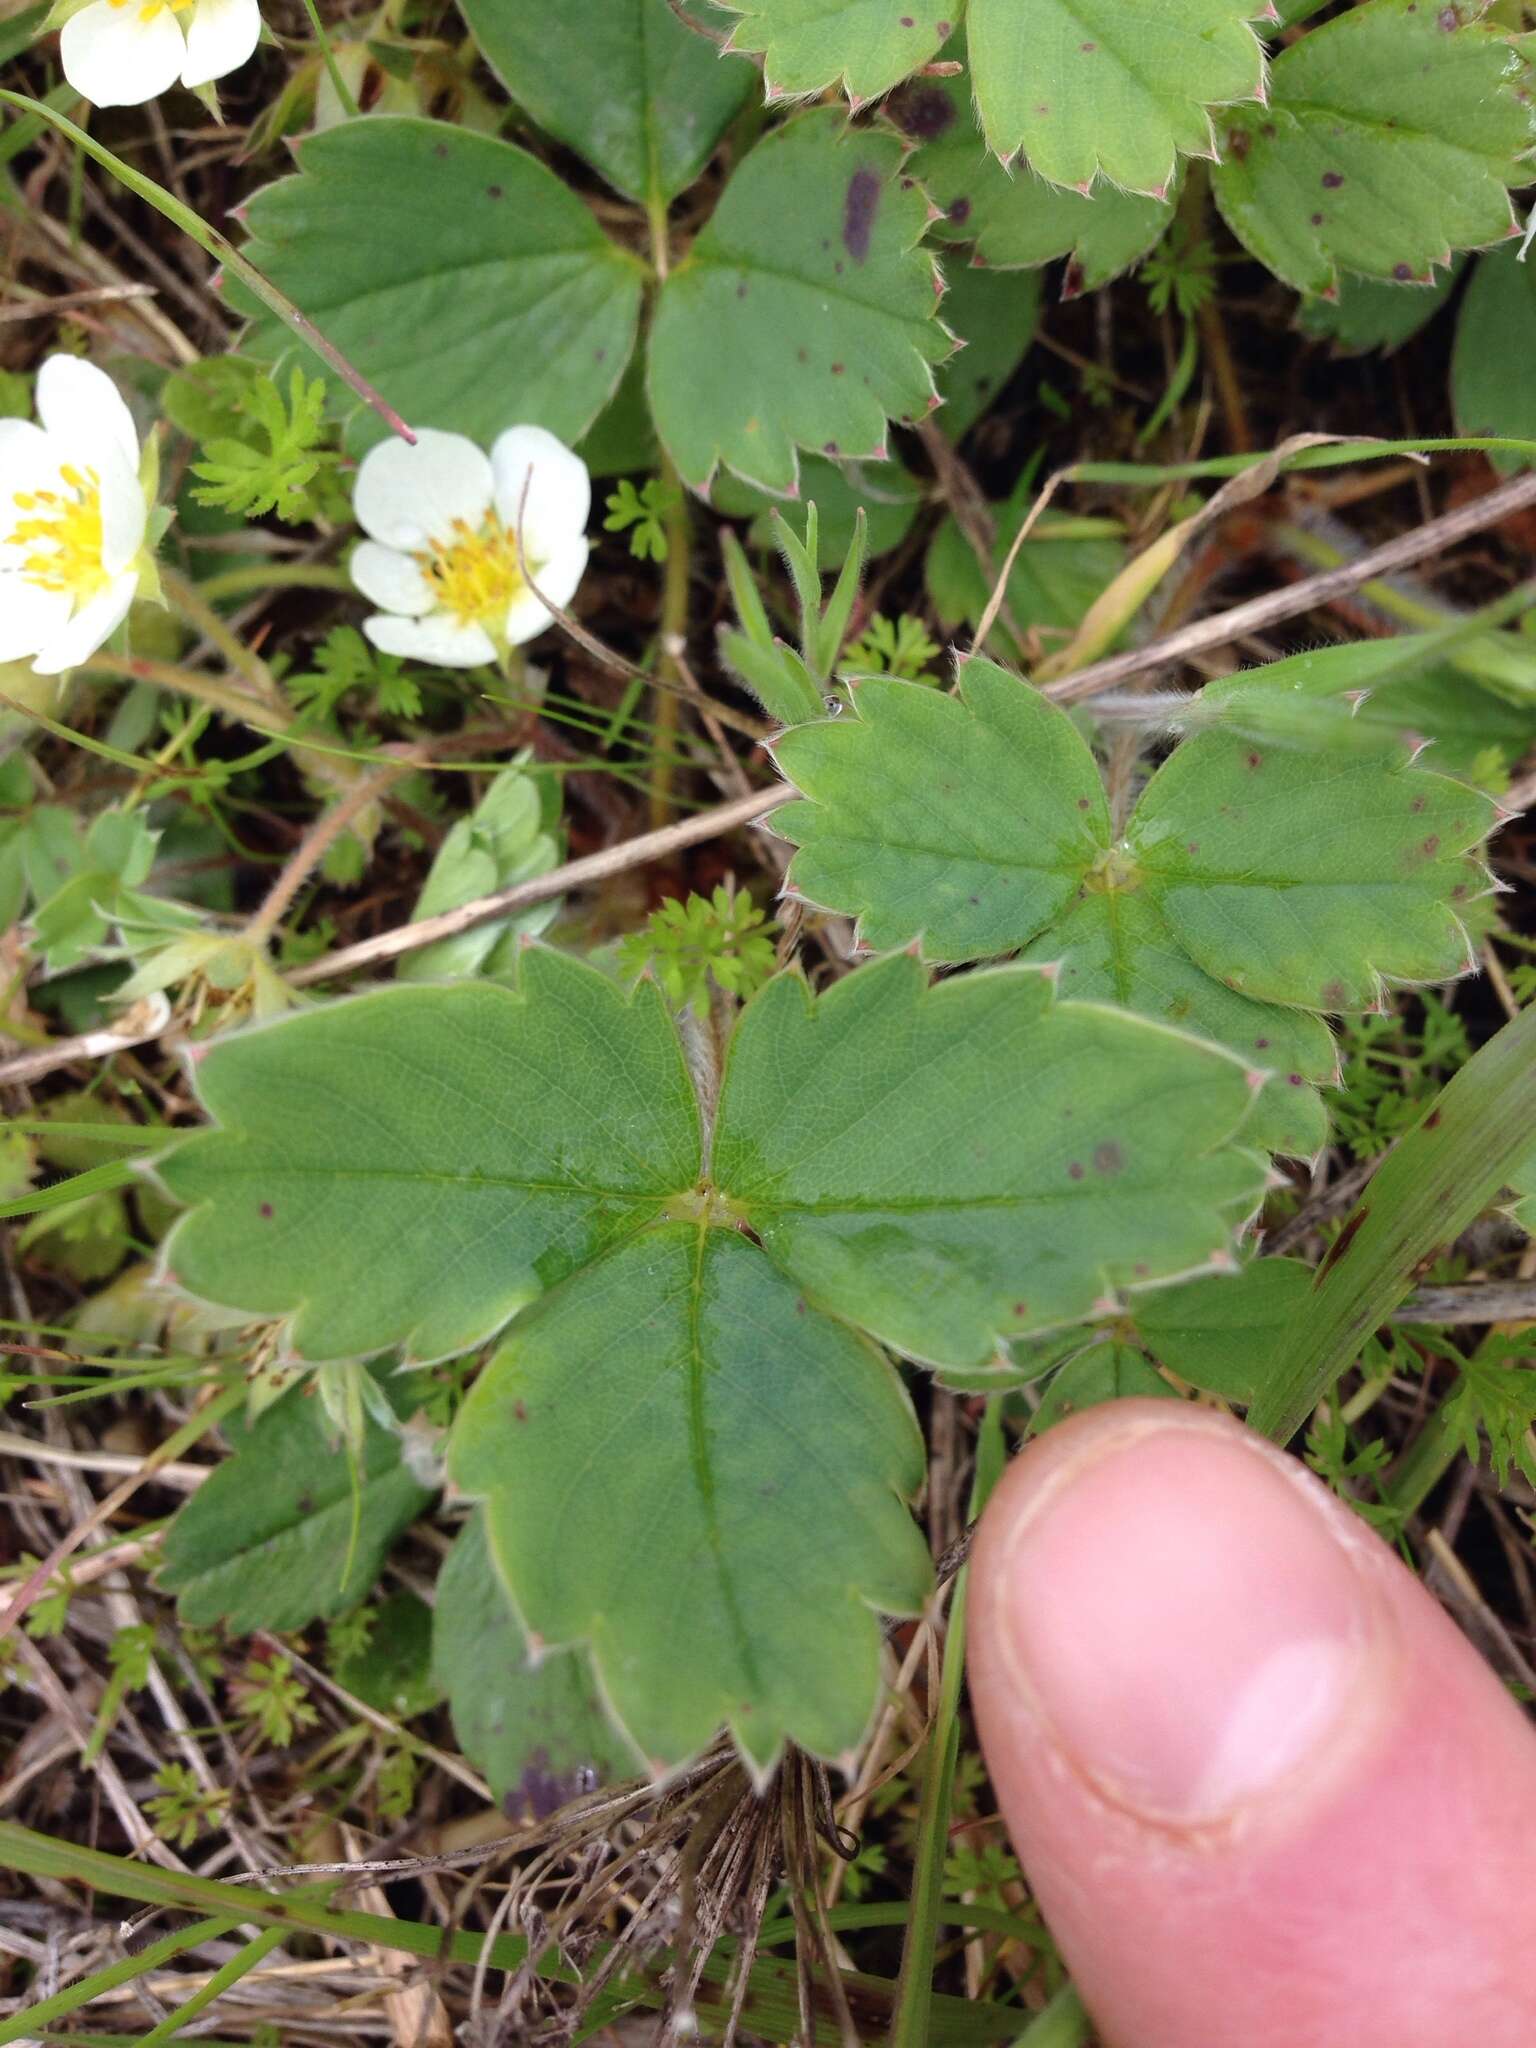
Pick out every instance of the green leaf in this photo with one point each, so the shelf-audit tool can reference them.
(1374, 695)
(948, 1166)
(1101, 1372)
(1392, 136)
(392, 1672)
(720, 1515)
(1368, 314)
(1014, 219)
(1219, 1333)
(994, 313)
(502, 841)
(1247, 879)
(469, 1147)
(622, 82)
(268, 1541)
(1111, 88)
(1491, 382)
(804, 314)
(1523, 1181)
(433, 257)
(535, 1726)
(687, 1461)
(866, 46)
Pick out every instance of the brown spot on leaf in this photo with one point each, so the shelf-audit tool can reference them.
(1341, 1244)
(520, 1410)
(265, 1209)
(1254, 760)
(1108, 1157)
(1403, 272)
(1334, 995)
(861, 203)
(494, 192)
(1431, 846)
(1076, 1170)
(960, 209)
(1417, 804)
(1333, 180)
(1432, 1120)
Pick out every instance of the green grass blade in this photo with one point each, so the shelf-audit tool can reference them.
(1447, 1169)
(96, 1180)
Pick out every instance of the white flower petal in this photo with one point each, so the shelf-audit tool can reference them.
(115, 58)
(124, 515)
(29, 615)
(408, 496)
(81, 407)
(438, 639)
(559, 497)
(557, 578)
(93, 624)
(390, 579)
(221, 36)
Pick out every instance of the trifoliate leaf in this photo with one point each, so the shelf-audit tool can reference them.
(434, 257)
(1014, 219)
(534, 1725)
(1247, 878)
(469, 1146)
(724, 1555)
(947, 1166)
(1391, 139)
(1492, 386)
(804, 316)
(288, 1528)
(866, 46)
(1111, 88)
(691, 1457)
(622, 82)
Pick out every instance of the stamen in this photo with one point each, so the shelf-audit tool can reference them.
(474, 574)
(65, 538)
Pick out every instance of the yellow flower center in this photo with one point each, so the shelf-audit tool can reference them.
(63, 531)
(474, 575)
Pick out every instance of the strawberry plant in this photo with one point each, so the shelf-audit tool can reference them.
(730, 769)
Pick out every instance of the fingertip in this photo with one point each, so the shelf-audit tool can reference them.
(1214, 1706)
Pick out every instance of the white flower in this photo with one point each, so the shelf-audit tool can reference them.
(441, 561)
(73, 517)
(119, 53)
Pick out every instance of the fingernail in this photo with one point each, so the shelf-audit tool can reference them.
(1187, 1622)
